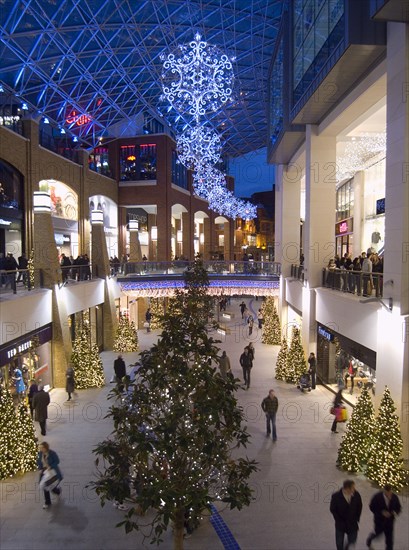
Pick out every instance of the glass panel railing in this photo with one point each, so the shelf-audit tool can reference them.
(213, 267)
(353, 282)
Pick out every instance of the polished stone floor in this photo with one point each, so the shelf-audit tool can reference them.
(292, 488)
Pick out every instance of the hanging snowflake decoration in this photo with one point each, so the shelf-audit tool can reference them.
(197, 145)
(197, 78)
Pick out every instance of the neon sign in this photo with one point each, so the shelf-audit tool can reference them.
(78, 119)
(344, 227)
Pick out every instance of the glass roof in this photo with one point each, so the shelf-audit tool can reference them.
(100, 60)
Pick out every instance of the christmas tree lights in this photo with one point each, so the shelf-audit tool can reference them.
(281, 364)
(296, 363)
(355, 446)
(385, 463)
(126, 337)
(27, 436)
(87, 364)
(271, 325)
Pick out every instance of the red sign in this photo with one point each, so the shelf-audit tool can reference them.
(344, 227)
(78, 119)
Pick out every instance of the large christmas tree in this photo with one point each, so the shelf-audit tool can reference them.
(296, 363)
(157, 306)
(87, 364)
(28, 447)
(178, 436)
(271, 323)
(354, 450)
(9, 443)
(126, 337)
(281, 363)
(385, 463)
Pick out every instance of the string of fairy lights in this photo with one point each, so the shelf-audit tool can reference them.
(197, 79)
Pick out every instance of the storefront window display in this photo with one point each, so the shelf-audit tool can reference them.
(344, 364)
(374, 204)
(31, 355)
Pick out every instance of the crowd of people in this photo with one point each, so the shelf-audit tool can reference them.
(358, 276)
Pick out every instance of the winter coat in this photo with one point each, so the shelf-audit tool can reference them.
(346, 515)
(269, 405)
(119, 368)
(70, 380)
(378, 505)
(41, 401)
(52, 460)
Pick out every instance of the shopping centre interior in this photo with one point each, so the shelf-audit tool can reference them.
(90, 171)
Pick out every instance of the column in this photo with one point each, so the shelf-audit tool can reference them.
(228, 240)
(207, 231)
(46, 260)
(187, 225)
(319, 227)
(101, 268)
(392, 362)
(287, 226)
(135, 253)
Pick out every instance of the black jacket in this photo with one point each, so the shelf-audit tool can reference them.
(378, 505)
(119, 368)
(346, 515)
(246, 360)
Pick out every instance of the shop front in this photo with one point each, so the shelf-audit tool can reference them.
(343, 363)
(31, 354)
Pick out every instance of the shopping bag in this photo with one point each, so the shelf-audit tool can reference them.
(341, 414)
(49, 480)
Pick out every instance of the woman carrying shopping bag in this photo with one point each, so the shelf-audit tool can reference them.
(51, 476)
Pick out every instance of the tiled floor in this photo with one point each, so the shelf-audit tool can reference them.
(292, 487)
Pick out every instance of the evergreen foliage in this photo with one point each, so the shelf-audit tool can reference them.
(87, 364)
(296, 363)
(385, 463)
(175, 448)
(271, 323)
(18, 448)
(126, 337)
(281, 363)
(354, 450)
(157, 306)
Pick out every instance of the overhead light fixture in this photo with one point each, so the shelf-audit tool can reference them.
(179, 236)
(41, 202)
(154, 233)
(133, 225)
(97, 217)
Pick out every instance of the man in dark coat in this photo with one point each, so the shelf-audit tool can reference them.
(312, 361)
(346, 507)
(270, 406)
(120, 371)
(41, 400)
(246, 363)
(385, 506)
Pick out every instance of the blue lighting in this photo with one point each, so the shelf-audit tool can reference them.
(24, 107)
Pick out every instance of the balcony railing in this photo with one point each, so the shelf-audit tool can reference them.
(213, 267)
(353, 282)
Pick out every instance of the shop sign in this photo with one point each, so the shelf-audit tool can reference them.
(345, 227)
(22, 345)
(18, 349)
(325, 333)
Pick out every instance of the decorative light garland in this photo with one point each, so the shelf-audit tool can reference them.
(199, 145)
(359, 154)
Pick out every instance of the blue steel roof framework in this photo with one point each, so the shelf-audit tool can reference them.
(102, 58)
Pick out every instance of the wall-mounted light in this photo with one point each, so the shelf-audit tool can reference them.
(154, 233)
(97, 217)
(143, 238)
(133, 225)
(41, 201)
(201, 238)
(179, 236)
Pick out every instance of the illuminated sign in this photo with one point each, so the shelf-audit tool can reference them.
(325, 333)
(18, 349)
(78, 119)
(344, 227)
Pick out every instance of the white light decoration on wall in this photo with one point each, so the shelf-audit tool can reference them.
(41, 201)
(359, 154)
(201, 238)
(197, 78)
(154, 233)
(97, 217)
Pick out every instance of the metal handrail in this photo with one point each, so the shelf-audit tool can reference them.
(147, 268)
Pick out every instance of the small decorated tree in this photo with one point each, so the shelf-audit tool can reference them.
(271, 323)
(355, 446)
(385, 463)
(126, 337)
(87, 364)
(157, 306)
(28, 441)
(10, 442)
(281, 363)
(296, 363)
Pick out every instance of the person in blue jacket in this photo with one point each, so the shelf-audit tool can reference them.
(19, 383)
(48, 460)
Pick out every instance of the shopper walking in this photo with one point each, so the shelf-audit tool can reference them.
(48, 460)
(69, 382)
(243, 308)
(148, 319)
(260, 319)
(346, 507)
(224, 365)
(385, 506)
(120, 371)
(312, 361)
(250, 322)
(32, 390)
(270, 406)
(41, 400)
(336, 404)
(246, 363)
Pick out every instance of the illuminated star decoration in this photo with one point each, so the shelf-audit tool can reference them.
(196, 80)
